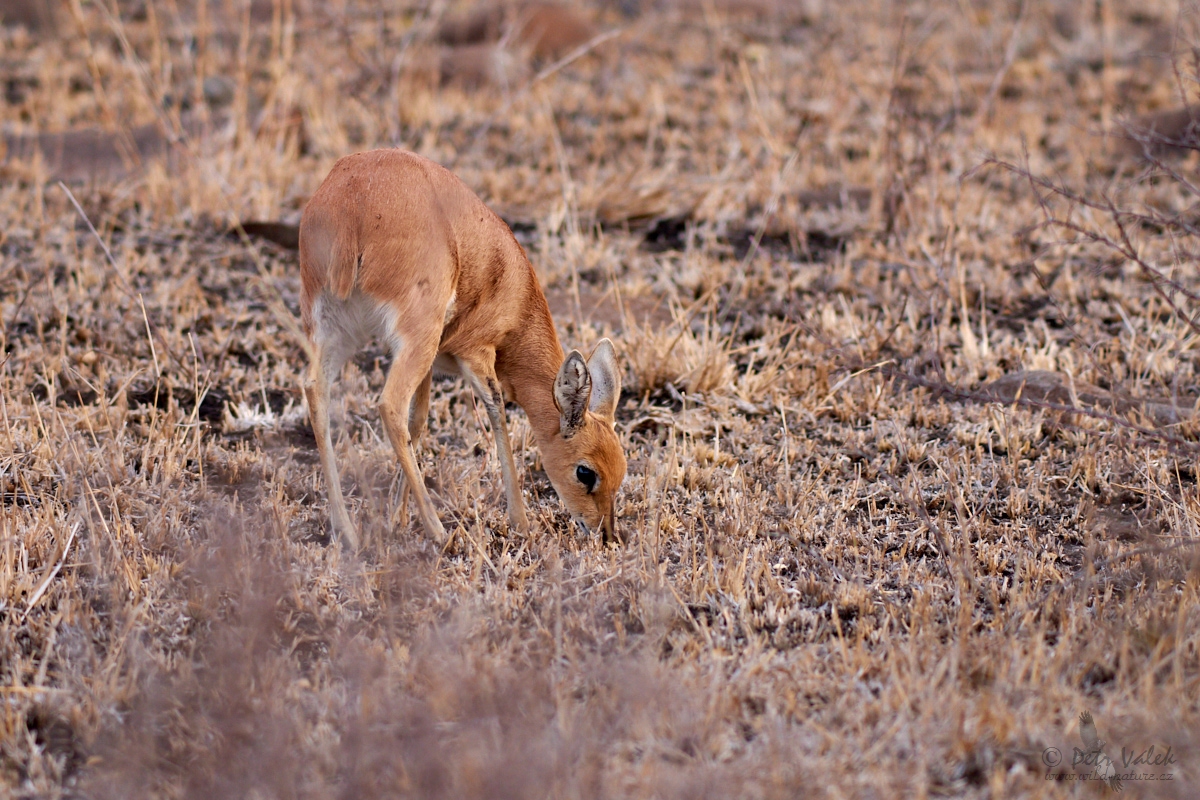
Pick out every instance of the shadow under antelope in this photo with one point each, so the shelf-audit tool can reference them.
(395, 247)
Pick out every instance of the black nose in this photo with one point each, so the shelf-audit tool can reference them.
(609, 526)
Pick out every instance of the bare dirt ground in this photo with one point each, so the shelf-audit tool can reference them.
(912, 433)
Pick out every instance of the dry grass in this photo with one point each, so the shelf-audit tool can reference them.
(861, 562)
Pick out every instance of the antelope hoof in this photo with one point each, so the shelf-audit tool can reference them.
(434, 526)
(520, 522)
(348, 534)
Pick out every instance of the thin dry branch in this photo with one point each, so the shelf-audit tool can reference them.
(1122, 245)
(945, 388)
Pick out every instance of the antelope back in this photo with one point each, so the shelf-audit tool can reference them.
(406, 231)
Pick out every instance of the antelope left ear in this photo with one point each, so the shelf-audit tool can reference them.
(572, 388)
(606, 380)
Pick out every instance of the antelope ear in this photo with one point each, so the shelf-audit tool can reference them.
(606, 381)
(572, 388)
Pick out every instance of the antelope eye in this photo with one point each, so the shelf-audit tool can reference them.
(586, 476)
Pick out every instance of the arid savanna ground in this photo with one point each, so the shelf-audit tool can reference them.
(905, 296)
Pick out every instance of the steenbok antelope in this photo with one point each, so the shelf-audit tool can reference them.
(395, 247)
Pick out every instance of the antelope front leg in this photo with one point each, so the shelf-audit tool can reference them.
(508, 466)
(487, 389)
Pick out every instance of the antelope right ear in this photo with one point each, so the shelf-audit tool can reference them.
(572, 390)
(606, 380)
